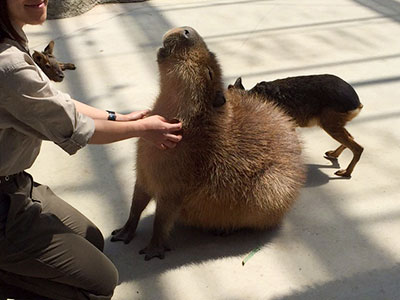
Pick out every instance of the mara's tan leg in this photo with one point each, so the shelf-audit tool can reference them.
(167, 212)
(343, 136)
(140, 200)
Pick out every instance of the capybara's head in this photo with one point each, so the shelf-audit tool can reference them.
(186, 64)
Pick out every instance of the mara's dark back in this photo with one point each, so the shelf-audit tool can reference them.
(309, 95)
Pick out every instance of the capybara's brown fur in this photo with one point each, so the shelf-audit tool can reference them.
(324, 100)
(238, 165)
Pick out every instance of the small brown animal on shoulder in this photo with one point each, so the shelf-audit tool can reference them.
(50, 65)
(324, 100)
(239, 164)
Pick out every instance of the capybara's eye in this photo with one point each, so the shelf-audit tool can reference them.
(186, 33)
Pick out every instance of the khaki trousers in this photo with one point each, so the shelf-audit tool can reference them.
(48, 248)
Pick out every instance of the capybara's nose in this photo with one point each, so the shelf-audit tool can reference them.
(185, 31)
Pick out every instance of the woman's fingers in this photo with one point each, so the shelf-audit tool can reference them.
(169, 142)
(137, 115)
(172, 127)
(172, 137)
(168, 145)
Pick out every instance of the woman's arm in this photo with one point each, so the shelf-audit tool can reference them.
(155, 129)
(100, 114)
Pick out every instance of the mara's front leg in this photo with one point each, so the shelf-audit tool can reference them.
(140, 200)
(167, 211)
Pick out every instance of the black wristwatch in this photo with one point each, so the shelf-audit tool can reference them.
(111, 115)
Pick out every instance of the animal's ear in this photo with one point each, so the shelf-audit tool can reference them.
(219, 99)
(49, 48)
(38, 57)
(238, 84)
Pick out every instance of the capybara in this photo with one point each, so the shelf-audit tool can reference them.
(238, 165)
(324, 100)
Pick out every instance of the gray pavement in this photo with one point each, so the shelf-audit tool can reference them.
(342, 238)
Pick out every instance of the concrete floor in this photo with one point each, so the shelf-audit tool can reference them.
(342, 238)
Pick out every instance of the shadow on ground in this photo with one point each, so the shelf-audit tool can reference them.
(369, 285)
(315, 176)
(189, 246)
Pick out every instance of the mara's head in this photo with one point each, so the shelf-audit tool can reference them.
(186, 62)
(49, 64)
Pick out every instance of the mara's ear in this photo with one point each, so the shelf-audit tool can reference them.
(49, 48)
(38, 57)
(219, 99)
(238, 84)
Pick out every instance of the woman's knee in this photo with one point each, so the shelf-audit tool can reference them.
(94, 236)
(108, 280)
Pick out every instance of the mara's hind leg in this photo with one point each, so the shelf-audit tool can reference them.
(347, 141)
(140, 200)
(334, 154)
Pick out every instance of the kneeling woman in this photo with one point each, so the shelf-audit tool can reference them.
(47, 248)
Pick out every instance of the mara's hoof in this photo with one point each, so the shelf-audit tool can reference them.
(343, 173)
(330, 155)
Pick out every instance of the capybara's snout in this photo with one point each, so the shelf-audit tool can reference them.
(178, 40)
(184, 32)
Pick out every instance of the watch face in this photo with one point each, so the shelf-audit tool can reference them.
(111, 115)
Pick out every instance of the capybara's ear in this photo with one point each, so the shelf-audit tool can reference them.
(219, 99)
(49, 48)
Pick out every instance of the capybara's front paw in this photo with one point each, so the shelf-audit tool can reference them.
(152, 251)
(124, 234)
(343, 173)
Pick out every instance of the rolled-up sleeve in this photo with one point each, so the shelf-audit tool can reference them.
(45, 112)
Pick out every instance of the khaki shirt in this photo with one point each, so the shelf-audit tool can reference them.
(32, 110)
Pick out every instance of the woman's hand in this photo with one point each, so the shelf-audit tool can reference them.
(160, 132)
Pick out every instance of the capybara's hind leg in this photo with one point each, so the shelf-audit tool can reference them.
(167, 212)
(344, 137)
(140, 200)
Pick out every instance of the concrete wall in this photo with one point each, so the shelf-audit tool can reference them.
(58, 9)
